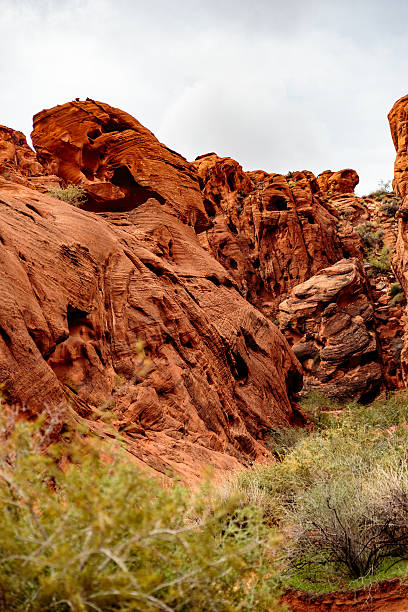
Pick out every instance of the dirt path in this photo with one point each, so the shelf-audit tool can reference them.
(386, 596)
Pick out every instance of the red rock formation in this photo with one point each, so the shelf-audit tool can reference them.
(329, 320)
(19, 163)
(119, 161)
(274, 232)
(336, 183)
(270, 231)
(398, 119)
(80, 289)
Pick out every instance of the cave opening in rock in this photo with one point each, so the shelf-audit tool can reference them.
(209, 208)
(76, 317)
(277, 202)
(231, 182)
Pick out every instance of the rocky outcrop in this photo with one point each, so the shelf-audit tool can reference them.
(19, 164)
(119, 162)
(329, 320)
(337, 183)
(80, 290)
(398, 119)
(275, 232)
(270, 231)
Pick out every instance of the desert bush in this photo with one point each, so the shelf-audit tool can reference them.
(384, 189)
(351, 527)
(370, 234)
(380, 262)
(395, 289)
(282, 441)
(390, 205)
(73, 194)
(104, 535)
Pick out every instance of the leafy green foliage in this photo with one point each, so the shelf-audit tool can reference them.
(390, 202)
(103, 535)
(73, 194)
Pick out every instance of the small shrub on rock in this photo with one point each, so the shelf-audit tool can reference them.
(73, 194)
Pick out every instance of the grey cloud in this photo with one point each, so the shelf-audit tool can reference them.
(276, 85)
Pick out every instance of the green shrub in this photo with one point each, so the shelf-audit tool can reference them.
(103, 535)
(397, 299)
(384, 189)
(390, 206)
(395, 289)
(370, 234)
(73, 194)
(333, 469)
(350, 527)
(380, 262)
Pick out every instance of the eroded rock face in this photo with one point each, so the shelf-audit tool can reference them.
(119, 162)
(80, 290)
(336, 183)
(329, 320)
(398, 118)
(19, 163)
(270, 231)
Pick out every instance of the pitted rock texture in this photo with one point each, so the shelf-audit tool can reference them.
(270, 231)
(79, 290)
(19, 163)
(329, 320)
(119, 162)
(337, 183)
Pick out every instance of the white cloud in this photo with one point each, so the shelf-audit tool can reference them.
(278, 86)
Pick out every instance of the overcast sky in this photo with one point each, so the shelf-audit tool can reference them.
(278, 85)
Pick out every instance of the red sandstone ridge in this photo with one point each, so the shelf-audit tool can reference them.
(274, 233)
(119, 161)
(81, 288)
(270, 231)
(398, 119)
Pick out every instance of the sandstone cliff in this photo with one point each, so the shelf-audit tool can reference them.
(82, 288)
(274, 233)
(398, 117)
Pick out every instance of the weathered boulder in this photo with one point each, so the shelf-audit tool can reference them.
(336, 183)
(329, 321)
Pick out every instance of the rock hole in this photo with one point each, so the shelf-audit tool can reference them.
(209, 208)
(232, 227)
(231, 182)
(33, 209)
(76, 318)
(277, 203)
(4, 335)
(214, 280)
